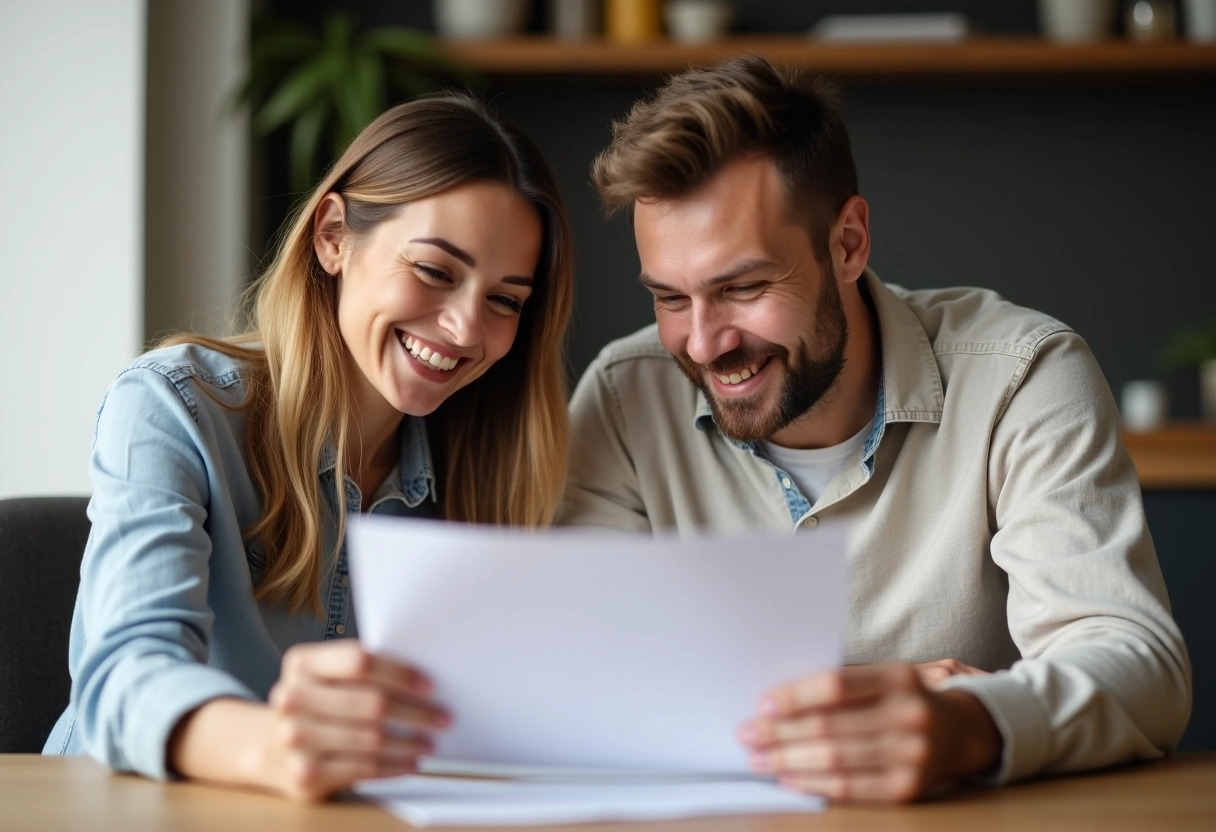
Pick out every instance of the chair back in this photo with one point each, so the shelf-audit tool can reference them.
(42, 540)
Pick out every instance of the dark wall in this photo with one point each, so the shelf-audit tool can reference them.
(1093, 201)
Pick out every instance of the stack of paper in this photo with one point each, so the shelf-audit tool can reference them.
(623, 663)
(442, 801)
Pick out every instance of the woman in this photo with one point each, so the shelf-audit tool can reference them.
(405, 358)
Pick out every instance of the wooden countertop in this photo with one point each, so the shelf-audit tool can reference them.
(75, 793)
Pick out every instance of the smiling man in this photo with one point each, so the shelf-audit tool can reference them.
(1007, 614)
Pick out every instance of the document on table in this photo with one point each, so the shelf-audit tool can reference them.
(606, 673)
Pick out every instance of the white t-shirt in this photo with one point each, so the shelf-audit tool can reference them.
(813, 468)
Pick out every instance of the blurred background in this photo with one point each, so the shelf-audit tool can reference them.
(1072, 170)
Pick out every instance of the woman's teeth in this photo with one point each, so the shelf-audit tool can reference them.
(427, 356)
(742, 375)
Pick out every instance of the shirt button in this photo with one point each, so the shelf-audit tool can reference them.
(785, 482)
(345, 581)
(340, 629)
(810, 522)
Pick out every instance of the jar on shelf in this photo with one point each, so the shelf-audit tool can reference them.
(1148, 20)
(633, 21)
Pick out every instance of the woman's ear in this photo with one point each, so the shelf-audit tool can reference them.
(329, 232)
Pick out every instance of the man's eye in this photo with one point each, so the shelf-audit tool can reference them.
(668, 300)
(744, 288)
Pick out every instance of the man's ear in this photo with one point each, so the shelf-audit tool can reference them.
(329, 232)
(850, 240)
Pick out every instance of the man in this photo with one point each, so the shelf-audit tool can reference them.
(1007, 614)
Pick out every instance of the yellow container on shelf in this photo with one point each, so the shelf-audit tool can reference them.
(633, 21)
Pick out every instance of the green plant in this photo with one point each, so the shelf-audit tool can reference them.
(1191, 347)
(327, 85)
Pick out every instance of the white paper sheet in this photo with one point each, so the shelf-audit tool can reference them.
(586, 649)
(439, 801)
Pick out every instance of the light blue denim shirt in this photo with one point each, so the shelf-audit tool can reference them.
(165, 617)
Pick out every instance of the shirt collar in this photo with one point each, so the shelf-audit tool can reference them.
(909, 386)
(416, 471)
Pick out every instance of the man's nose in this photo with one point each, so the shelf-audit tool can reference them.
(711, 334)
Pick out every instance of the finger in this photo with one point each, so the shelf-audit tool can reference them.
(833, 688)
(319, 737)
(898, 712)
(313, 777)
(356, 703)
(932, 674)
(866, 752)
(347, 661)
(898, 785)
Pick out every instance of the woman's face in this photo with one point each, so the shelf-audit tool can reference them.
(432, 296)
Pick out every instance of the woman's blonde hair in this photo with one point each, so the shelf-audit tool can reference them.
(499, 443)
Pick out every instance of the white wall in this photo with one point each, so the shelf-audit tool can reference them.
(197, 165)
(118, 163)
(71, 228)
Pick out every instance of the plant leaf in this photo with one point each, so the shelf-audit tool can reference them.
(301, 88)
(1191, 347)
(364, 92)
(305, 139)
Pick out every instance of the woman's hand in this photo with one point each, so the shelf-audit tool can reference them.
(341, 714)
(337, 714)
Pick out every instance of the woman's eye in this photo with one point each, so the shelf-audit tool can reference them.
(433, 274)
(508, 302)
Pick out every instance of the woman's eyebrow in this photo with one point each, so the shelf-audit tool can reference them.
(457, 252)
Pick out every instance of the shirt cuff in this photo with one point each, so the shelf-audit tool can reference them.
(162, 702)
(1025, 730)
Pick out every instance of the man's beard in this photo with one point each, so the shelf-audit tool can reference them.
(808, 377)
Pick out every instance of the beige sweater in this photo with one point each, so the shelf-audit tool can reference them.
(995, 517)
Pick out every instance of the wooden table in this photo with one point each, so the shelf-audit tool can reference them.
(73, 793)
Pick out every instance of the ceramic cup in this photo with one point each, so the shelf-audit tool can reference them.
(1199, 20)
(1144, 405)
(474, 19)
(697, 21)
(1076, 21)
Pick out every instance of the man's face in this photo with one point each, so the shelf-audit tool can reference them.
(742, 302)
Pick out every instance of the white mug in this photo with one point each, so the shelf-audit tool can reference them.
(1199, 20)
(1144, 405)
(1076, 21)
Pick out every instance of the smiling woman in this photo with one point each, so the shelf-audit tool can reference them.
(404, 356)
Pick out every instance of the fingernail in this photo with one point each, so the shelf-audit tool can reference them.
(768, 706)
(422, 685)
(748, 734)
(761, 762)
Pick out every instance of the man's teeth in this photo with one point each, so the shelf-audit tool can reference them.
(742, 375)
(426, 356)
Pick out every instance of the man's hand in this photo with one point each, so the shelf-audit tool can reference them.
(871, 733)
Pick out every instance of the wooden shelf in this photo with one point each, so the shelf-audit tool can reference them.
(1178, 456)
(980, 57)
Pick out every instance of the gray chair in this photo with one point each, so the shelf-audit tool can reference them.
(41, 542)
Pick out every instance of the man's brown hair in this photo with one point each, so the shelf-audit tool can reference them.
(702, 119)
